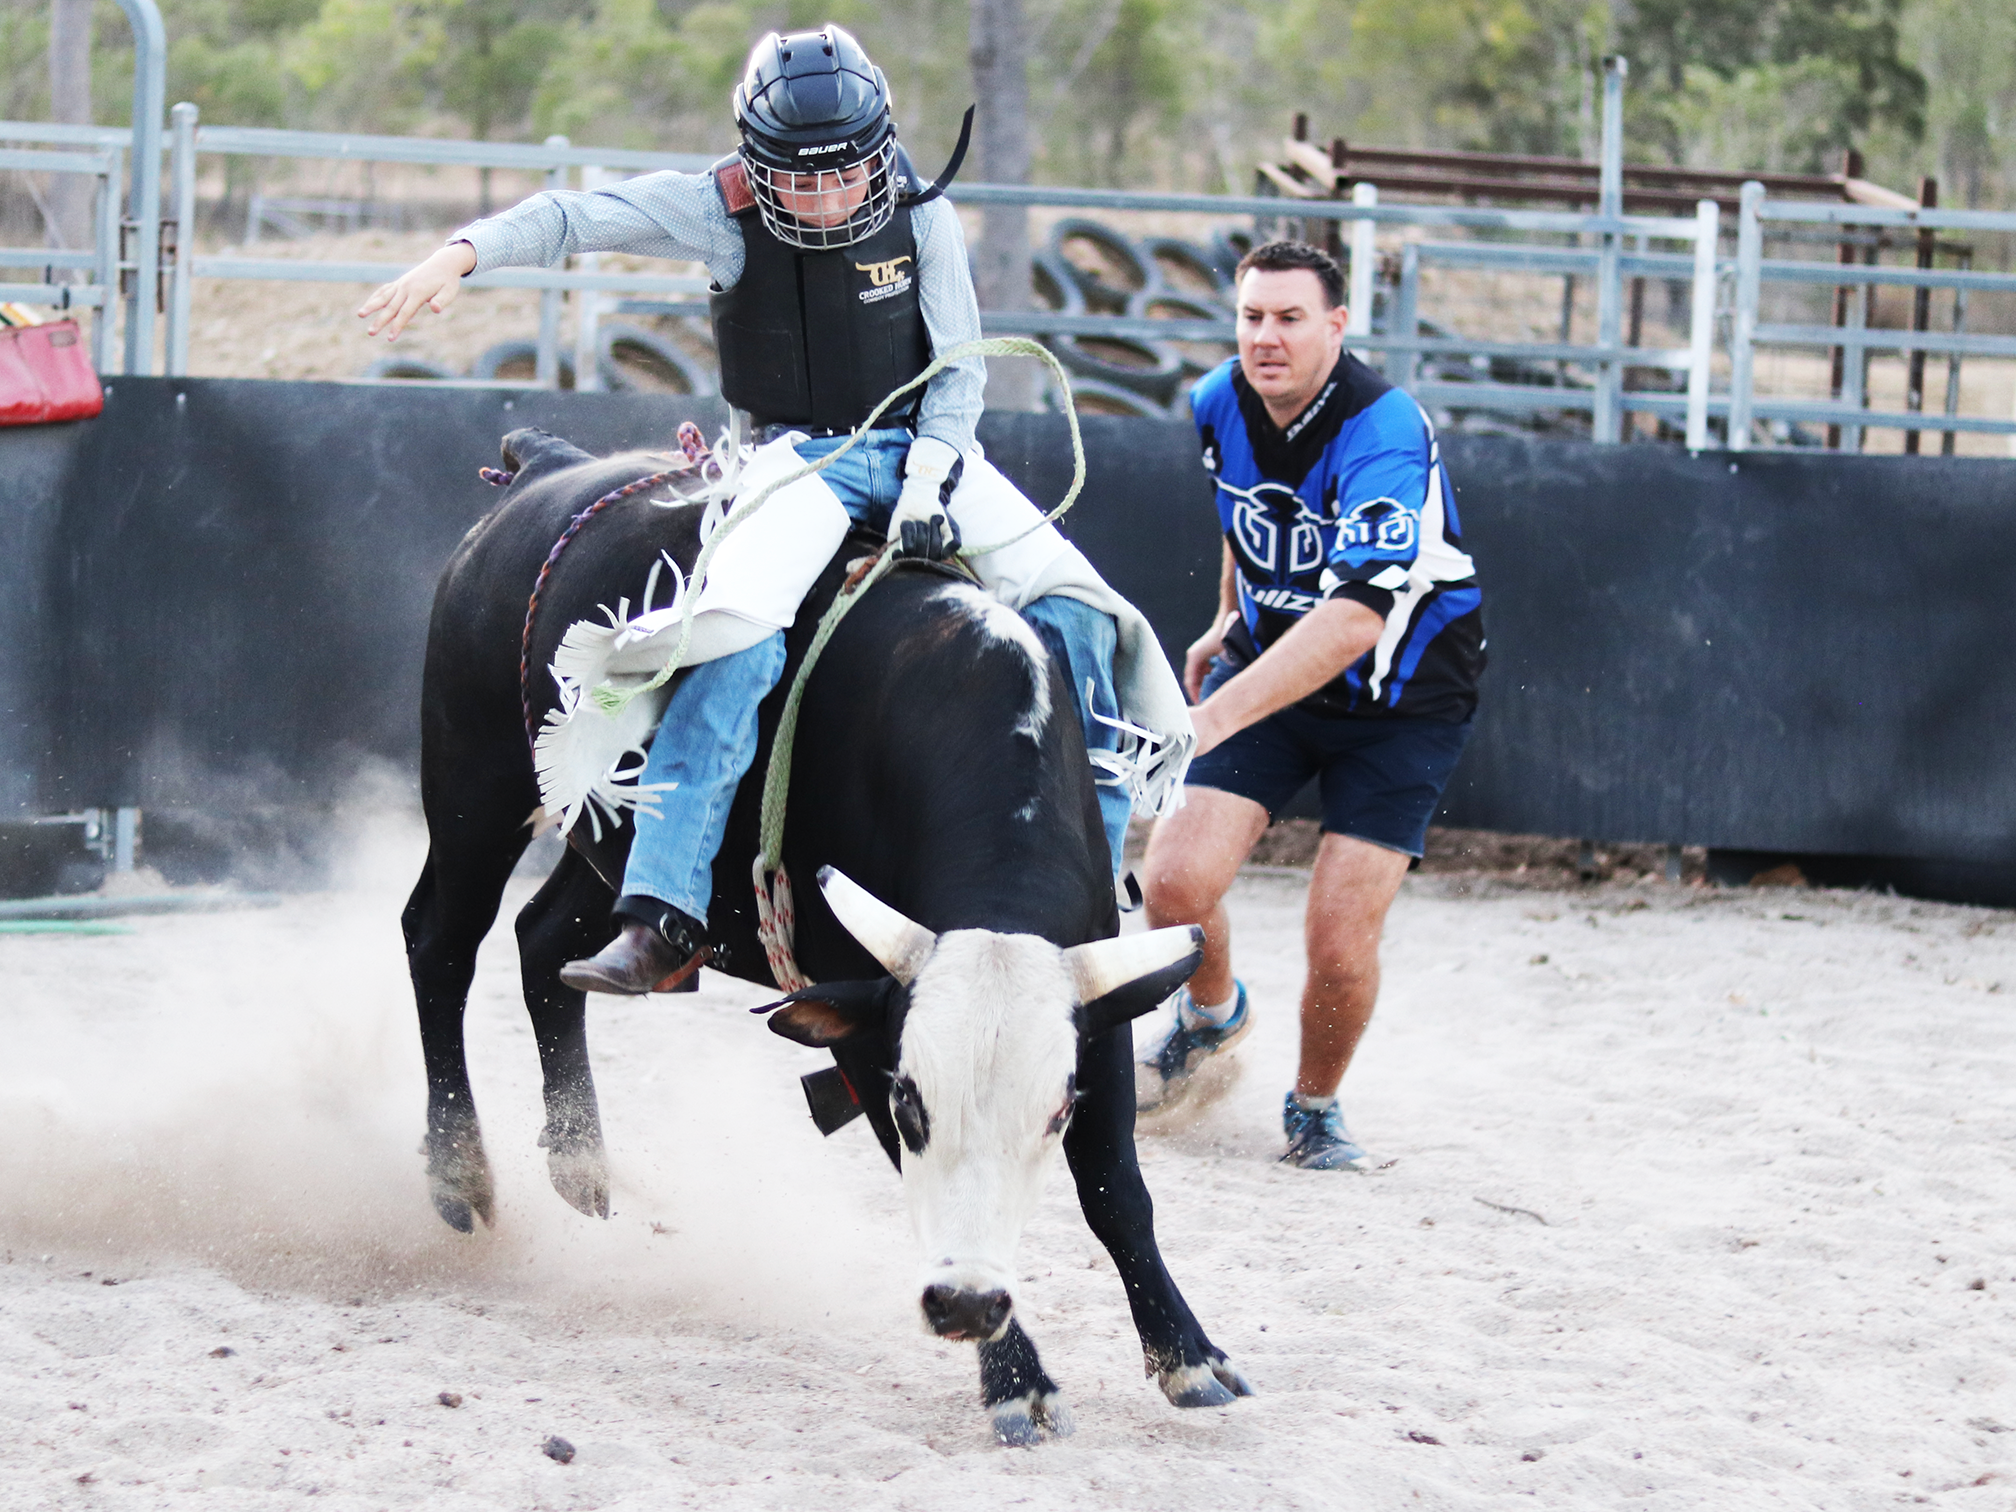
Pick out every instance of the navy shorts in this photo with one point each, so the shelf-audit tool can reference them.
(1381, 777)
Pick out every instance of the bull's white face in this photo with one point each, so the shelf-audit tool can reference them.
(983, 1092)
(984, 1083)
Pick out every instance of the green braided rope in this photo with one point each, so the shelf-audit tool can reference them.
(777, 777)
(612, 700)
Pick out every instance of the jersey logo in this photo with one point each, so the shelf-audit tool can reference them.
(1283, 600)
(1377, 528)
(883, 274)
(1275, 531)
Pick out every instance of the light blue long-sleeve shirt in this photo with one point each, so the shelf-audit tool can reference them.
(680, 216)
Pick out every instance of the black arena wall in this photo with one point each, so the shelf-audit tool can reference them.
(215, 596)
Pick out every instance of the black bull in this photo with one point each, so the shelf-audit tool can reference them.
(904, 750)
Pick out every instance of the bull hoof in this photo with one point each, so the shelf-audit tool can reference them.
(580, 1173)
(1021, 1422)
(1215, 1383)
(454, 1212)
(458, 1179)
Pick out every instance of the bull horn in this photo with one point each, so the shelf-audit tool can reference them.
(1100, 967)
(899, 944)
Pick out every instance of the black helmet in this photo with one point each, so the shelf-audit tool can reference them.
(811, 107)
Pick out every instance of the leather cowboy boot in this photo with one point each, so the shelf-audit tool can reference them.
(659, 948)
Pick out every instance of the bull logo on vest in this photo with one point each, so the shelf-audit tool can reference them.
(885, 279)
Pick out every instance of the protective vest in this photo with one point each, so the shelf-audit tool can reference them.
(817, 339)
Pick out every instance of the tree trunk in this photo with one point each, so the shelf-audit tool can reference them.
(69, 204)
(1000, 59)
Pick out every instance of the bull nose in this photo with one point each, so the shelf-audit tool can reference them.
(958, 1313)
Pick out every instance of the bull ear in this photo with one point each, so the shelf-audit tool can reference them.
(900, 945)
(1123, 978)
(820, 1016)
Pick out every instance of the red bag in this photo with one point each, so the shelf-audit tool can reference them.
(45, 375)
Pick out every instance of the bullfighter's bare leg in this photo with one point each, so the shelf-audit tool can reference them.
(475, 838)
(1353, 887)
(1099, 1145)
(567, 918)
(1194, 856)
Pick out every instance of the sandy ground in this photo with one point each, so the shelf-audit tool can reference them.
(1702, 1199)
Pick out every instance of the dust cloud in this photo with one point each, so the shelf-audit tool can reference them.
(244, 1090)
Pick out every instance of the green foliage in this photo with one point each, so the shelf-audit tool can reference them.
(24, 38)
(1967, 52)
(1110, 86)
(1838, 62)
(364, 65)
(492, 56)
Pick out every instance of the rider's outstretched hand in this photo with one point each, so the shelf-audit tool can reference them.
(434, 284)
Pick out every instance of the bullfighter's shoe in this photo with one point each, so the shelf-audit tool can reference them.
(659, 948)
(1165, 1074)
(1318, 1140)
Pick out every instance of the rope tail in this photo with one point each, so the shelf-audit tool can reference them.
(546, 570)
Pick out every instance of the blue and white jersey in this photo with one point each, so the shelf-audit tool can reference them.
(1350, 500)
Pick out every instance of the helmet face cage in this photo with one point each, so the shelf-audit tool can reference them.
(820, 209)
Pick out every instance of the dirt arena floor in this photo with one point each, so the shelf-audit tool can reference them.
(1700, 1199)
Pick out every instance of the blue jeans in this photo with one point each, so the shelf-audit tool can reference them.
(1083, 638)
(707, 735)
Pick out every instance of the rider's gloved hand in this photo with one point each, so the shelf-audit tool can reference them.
(920, 525)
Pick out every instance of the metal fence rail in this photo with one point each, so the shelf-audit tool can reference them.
(101, 262)
(142, 218)
(355, 147)
(1855, 338)
(1609, 229)
(555, 158)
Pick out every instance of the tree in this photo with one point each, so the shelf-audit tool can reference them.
(68, 219)
(487, 66)
(1839, 61)
(1000, 58)
(1112, 68)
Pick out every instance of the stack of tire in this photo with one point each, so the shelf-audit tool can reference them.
(1088, 268)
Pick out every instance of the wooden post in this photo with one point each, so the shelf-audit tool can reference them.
(1631, 339)
(1921, 312)
(1947, 441)
(69, 201)
(999, 55)
(1851, 167)
(1333, 232)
